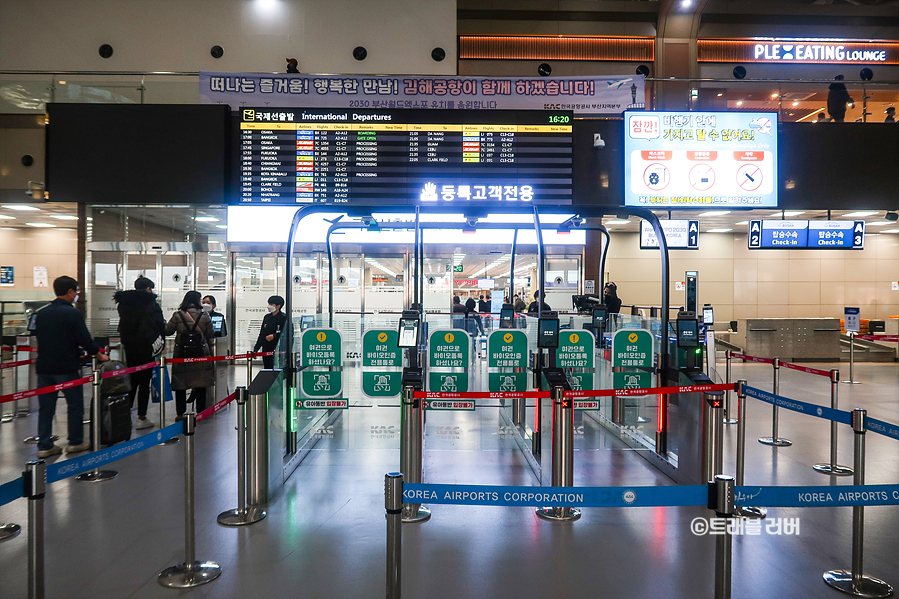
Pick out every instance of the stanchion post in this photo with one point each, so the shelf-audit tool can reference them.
(249, 368)
(410, 452)
(852, 380)
(243, 515)
(833, 468)
(192, 572)
(855, 581)
(713, 435)
(774, 439)
(562, 455)
(162, 372)
(724, 508)
(741, 510)
(35, 487)
(728, 415)
(96, 475)
(393, 504)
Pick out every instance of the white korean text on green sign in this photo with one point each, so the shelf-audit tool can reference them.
(321, 347)
(379, 348)
(449, 349)
(632, 348)
(507, 349)
(576, 349)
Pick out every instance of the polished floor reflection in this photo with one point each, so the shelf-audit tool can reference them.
(324, 536)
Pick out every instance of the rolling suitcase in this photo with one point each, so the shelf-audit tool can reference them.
(115, 419)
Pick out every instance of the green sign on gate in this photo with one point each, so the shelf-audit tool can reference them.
(576, 349)
(632, 348)
(581, 381)
(448, 382)
(507, 381)
(449, 349)
(507, 349)
(321, 383)
(321, 347)
(382, 384)
(379, 348)
(632, 380)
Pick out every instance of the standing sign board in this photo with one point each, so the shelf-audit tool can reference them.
(449, 349)
(576, 349)
(632, 348)
(380, 350)
(852, 320)
(321, 348)
(507, 349)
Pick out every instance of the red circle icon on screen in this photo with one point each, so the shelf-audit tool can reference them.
(749, 177)
(656, 176)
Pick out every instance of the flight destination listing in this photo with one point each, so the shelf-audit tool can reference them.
(361, 157)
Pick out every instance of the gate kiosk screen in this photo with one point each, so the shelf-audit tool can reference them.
(507, 318)
(599, 317)
(687, 332)
(408, 333)
(548, 333)
(708, 315)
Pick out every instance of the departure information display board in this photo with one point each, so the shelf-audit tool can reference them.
(404, 156)
(807, 234)
(700, 159)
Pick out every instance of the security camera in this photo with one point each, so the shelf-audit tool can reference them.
(598, 142)
(892, 216)
(29, 193)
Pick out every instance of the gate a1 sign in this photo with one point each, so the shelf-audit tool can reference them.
(632, 348)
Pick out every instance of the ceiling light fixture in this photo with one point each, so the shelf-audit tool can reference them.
(718, 230)
(861, 213)
(743, 222)
(740, 103)
(789, 213)
(41, 225)
(5, 217)
(20, 207)
(206, 219)
(715, 213)
(617, 222)
(63, 217)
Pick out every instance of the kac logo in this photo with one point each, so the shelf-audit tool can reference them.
(629, 497)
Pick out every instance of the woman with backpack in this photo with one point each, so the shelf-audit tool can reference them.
(194, 336)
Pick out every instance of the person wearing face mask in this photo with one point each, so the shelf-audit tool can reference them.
(218, 319)
(61, 337)
(272, 325)
(610, 298)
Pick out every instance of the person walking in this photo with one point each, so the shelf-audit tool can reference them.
(142, 329)
(272, 325)
(193, 339)
(61, 337)
(891, 115)
(837, 99)
(519, 304)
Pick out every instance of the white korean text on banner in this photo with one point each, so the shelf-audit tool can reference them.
(582, 95)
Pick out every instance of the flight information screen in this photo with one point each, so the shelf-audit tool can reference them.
(404, 156)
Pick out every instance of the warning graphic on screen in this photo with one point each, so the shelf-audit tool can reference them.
(701, 159)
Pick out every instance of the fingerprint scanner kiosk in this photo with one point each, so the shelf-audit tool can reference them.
(507, 318)
(409, 328)
(688, 341)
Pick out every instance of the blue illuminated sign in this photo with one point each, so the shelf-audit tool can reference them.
(700, 159)
(804, 234)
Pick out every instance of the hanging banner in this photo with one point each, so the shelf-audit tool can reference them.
(583, 95)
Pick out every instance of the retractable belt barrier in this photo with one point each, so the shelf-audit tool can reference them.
(18, 348)
(19, 363)
(11, 491)
(106, 375)
(596, 393)
(806, 369)
(479, 394)
(888, 338)
(737, 356)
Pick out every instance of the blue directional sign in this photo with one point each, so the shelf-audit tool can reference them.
(804, 234)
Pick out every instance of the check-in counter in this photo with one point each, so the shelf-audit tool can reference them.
(791, 339)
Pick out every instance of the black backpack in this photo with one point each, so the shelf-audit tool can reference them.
(190, 343)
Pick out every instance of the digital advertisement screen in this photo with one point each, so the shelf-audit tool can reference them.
(403, 156)
(807, 234)
(700, 159)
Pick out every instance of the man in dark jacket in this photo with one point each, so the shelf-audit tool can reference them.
(140, 325)
(272, 326)
(61, 337)
(533, 308)
(837, 98)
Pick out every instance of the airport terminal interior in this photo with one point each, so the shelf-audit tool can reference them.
(613, 285)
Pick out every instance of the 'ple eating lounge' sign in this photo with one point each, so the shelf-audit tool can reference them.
(798, 51)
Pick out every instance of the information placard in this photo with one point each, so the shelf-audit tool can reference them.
(700, 159)
(379, 348)
(806, 234)
(449, 349)
(576, 349)
(632, 348)
(851, 320)
(321, 347)
(507, 349)
(679, 235)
